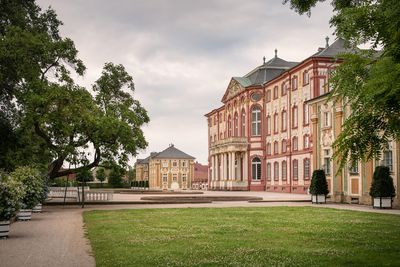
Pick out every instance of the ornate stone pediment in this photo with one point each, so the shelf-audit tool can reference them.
(233, 89)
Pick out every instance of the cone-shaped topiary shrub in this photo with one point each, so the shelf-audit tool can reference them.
(319, 185)
(382, 183)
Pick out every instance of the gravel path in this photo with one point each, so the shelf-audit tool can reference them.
(52, 238)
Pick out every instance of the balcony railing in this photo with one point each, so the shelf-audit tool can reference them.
(229, 144)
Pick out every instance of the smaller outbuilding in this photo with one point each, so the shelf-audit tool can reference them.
(170, 169)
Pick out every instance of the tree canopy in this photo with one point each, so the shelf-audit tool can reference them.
(368, 81)
(48, 117)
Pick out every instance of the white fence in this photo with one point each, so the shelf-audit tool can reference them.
(98, 196)
(72, 192)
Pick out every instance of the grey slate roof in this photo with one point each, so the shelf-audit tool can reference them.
(172, 153)
(143, 161)
(337, 47)
(269, 70)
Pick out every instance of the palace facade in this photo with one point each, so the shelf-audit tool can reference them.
(264, 137)
(170, 169)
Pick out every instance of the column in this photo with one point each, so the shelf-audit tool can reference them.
(213, 168)
(245, 167)
(233, 166)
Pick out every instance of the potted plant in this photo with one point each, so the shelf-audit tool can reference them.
(11, 194)
(33, 186)
(318, 187)
(45, 191)
(382, 189)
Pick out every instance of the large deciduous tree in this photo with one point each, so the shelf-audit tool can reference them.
(40, 101)
(367, 81)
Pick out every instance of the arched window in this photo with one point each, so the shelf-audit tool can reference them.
(306, 169)
(243, 123)
(255, 121)
(306, 77)
(284, 170)
(284, 145)
(229, 126)
(295, 169)
(256, 169)
(268, 171)
(236, 125)
(295, 143)
(268, 148)
(276, 171)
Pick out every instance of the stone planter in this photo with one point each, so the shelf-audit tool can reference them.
(24, 215)
(382, 202)
(4, 229)
(37, 208)
(318, 199)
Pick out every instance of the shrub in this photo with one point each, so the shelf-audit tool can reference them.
(101, 175)
(382, 183)
(319, 185)
(32, 182)
(11, 194)
(115, 177)
(84, 175)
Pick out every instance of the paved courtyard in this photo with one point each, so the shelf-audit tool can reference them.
(56, 236)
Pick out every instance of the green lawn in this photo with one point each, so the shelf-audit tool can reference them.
(276, 236)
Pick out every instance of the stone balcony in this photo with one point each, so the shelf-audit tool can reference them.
(231, 144)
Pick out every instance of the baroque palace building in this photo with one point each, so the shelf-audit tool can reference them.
(265, 137)
(170, 169)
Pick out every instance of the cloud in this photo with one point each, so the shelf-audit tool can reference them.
(183, 53)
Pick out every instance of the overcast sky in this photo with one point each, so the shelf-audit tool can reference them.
(182, 53)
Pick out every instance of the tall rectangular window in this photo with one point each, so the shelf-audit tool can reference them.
(321, 86)
(276, 171)
(306, 115)
(294, 82)
(268, 124)
(243, 124)
(284, 170)
(268, 171)
(327, 162)
(268, 96)
(284, 120)
(295, 169)
(388, 159)
(276, 123)
(295, 117)
(256, 121)
(327, 119)
(306, 166)
(276, 91)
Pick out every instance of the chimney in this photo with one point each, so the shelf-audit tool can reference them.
(264, 60)
(276, 53)
(327, 41)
